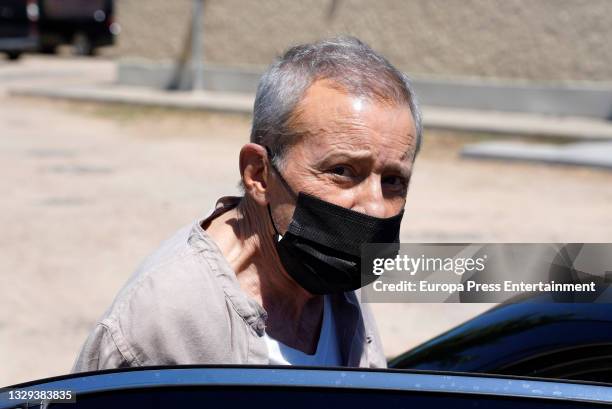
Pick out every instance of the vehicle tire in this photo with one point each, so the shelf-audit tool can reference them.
(82, 44)
(14, 55)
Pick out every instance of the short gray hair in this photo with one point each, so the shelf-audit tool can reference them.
(346, 61)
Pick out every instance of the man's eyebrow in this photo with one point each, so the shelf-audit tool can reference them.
(404, 168)
(345, 154)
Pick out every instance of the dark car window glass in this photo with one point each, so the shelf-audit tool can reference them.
(589, 363)
(301, 398)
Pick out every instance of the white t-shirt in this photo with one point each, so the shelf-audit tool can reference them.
(327, 353)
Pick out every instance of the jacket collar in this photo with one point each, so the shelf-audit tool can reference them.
(250, 310)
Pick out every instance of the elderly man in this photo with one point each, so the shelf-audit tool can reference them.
(269, 278)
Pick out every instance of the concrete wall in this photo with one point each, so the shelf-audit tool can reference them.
(518, 39)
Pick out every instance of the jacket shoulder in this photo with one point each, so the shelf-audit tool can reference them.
(171, 308)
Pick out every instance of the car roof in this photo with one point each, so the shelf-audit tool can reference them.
(337, 378)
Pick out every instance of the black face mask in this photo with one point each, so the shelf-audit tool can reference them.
(321, 249)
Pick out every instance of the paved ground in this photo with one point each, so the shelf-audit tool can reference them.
(89, 191)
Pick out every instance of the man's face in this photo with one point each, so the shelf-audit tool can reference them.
(357, 153)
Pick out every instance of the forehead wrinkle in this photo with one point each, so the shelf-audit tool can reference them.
(344, 117)
(345, 124)
(353, 127)
(353, 141)
(338, 132)
(346, 128)
(349, 153)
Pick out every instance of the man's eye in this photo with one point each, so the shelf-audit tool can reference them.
(341, 171)
(395, 181)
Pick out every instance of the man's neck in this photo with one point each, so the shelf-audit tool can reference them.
(246, 239)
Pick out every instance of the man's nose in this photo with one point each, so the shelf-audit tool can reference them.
(369, 197)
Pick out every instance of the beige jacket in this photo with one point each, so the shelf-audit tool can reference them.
(184, 306)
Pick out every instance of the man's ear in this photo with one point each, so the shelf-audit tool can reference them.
(254, 171)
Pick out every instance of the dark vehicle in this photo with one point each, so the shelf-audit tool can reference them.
(550, 340)
(86, 24)
(18, 32)
(282, 387)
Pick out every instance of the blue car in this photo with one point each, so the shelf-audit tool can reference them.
(531, 338)
(532, 354)
(295, 388)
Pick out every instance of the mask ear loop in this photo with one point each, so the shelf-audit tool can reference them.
(280, 176)
(277, 236)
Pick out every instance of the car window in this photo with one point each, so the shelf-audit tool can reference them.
(585, 362)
